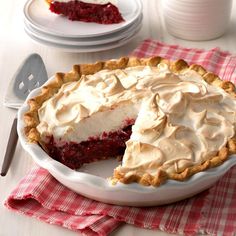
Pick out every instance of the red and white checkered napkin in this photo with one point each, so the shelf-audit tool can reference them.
(212, 212)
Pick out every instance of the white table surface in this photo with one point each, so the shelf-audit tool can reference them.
(15, 45)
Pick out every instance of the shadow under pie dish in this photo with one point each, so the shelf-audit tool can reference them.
(167, 120)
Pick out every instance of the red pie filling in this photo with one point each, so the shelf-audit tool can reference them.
(88, 12)
(74, 154)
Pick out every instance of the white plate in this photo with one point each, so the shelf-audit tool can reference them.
(91, 180)
(38, 15)
(83, 49)
(89, 38)
(86, 41)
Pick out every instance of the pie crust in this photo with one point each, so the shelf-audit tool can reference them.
(31, 117)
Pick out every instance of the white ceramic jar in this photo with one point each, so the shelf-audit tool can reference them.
(197, 19)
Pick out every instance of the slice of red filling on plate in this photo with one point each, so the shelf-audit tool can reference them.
(87, 12)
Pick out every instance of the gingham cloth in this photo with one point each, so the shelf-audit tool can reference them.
(212, 212)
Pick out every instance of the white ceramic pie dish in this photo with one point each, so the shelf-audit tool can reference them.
(91, 180)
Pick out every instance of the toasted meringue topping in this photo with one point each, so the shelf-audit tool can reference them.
(181, 120)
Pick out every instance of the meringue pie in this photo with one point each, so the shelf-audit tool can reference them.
(166, 120)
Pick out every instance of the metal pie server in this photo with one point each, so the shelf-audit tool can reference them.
(30, 75)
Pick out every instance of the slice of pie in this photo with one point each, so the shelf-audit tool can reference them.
(166, 120)
(98, 11)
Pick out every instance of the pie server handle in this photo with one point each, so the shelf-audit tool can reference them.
(11, 146)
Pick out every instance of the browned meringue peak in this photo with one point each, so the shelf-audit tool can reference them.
(150, 122)
(142, 158)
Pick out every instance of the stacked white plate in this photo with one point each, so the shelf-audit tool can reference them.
(56, 31)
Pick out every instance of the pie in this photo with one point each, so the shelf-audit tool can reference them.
(98, 11)
(165, 120)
